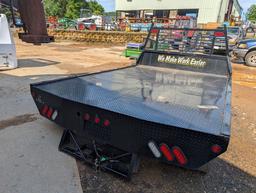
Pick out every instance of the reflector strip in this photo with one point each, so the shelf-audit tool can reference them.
(166, 151)
(178, 153)
(44, 109)
(152, 146)
(54, 115)
(49, 113)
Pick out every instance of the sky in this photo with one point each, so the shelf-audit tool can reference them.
(109, 5)
(245, 4)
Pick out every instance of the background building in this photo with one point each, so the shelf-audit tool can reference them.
(204, 10)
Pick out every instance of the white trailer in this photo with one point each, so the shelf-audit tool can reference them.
(8, 59)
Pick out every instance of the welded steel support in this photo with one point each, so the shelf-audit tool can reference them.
(120, 162)
(32, 14)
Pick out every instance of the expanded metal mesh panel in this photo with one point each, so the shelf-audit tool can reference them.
(193, 41)
(171, 97)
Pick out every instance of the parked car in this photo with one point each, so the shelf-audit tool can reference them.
(246, 50)
(234, 35)
(251, 27)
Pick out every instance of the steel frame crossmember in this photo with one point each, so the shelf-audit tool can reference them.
(101, 156)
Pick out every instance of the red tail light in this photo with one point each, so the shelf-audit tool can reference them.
(216, 149)
(49, 113)
(180, 156)
(166, 151)
(97, 120)
(106, 123)
(44, 110)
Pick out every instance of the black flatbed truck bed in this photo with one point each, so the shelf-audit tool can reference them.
(112, 118)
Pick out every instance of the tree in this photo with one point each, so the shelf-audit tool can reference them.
(96, 8)
(251, 13)
(73, 8)
(6, 10)
(55, 7)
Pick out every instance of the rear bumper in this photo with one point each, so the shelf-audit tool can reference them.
(223, 48)
(130, 134)
(240, 53)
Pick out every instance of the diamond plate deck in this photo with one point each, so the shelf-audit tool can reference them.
(178, 98)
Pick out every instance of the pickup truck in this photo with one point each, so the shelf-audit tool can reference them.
(246, 50)
(173, 105)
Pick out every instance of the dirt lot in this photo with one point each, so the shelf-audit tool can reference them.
(235, 171)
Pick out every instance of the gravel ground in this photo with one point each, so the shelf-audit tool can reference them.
(234, 171)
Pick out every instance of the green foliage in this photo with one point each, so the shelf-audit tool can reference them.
(251, 14)
(71, 8)
(55, 7)
(6, 11)
(96, 8)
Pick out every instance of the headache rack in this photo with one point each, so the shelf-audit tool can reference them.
(174, 105)
(184, 40)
